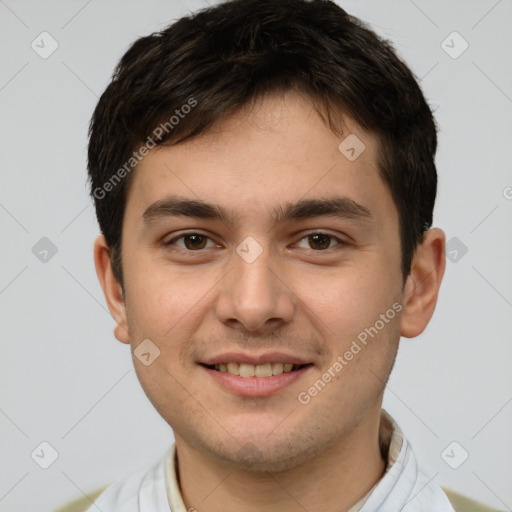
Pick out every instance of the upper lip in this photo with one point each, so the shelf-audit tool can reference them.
(266, 357)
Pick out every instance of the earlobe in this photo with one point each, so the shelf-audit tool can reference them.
(111, 288)
(422, 286)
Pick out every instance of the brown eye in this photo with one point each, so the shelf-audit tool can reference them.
(194, 241)
(190, 241)
(319, 241)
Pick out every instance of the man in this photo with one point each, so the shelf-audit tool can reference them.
(264, 180)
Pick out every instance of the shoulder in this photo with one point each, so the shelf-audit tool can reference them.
(123, 493)
(462, 503)
(110, 498)
(143, 490)
(81, 504)
(459, 502)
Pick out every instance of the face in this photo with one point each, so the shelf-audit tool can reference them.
(294, 258)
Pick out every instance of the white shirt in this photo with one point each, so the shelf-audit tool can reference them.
(402, 488)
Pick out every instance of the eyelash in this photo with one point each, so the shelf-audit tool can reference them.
(184, 235)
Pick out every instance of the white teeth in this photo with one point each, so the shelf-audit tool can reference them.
(234, 368)
(246, 370)
(277, 368)
(263, 370)
(260, 370)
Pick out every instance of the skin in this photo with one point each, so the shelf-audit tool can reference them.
(263, 453)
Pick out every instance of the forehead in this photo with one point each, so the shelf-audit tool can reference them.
(275, 151)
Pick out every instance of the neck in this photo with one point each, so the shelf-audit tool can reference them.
(347, 470)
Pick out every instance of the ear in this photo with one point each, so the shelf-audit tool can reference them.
(422, 286)
(111, 288)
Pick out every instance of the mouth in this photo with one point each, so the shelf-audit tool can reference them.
(264, 370)
(255, 380)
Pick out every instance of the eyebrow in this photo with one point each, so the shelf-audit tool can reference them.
(339, 207)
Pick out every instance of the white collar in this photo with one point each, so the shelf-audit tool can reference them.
(403, 487)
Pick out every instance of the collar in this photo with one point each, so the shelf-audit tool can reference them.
(391, 440)
(403, 487)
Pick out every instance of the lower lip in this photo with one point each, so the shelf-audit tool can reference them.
(255, 386)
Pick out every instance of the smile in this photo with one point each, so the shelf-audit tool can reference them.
(260, 370)
(250, 380)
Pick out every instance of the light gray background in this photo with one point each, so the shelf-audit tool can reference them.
(64, 379)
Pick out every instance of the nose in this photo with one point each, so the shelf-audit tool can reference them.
(255, 296)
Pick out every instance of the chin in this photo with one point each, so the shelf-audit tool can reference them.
(267, 456)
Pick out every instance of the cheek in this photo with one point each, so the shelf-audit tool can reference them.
(161, 298)
(344, 302)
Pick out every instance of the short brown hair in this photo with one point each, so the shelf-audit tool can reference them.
(224, 57)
